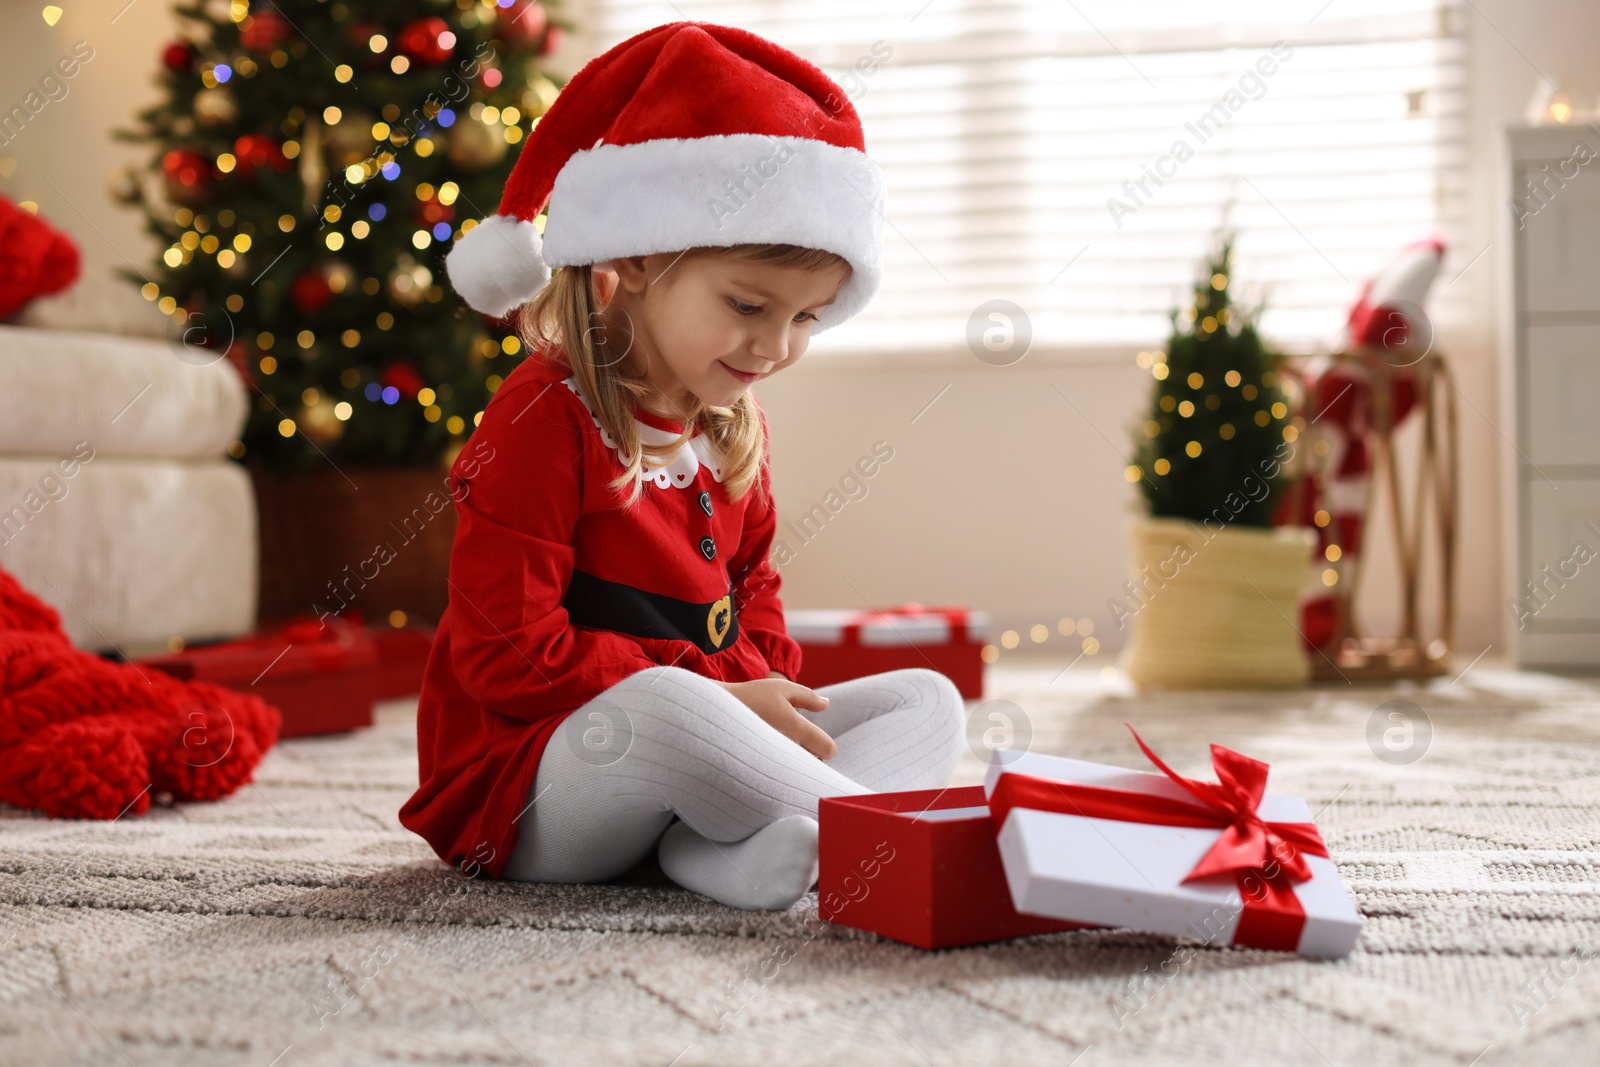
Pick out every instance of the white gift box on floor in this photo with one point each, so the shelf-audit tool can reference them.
(1080, 862)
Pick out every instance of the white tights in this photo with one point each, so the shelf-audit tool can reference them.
(667, 743)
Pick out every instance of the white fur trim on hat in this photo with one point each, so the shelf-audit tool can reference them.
(498, 265)
(668, 194)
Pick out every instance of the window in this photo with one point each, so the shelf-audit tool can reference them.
(1076, 156)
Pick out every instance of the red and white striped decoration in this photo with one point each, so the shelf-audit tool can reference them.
(1387, 319)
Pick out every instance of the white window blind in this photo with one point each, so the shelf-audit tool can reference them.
(1004, 128)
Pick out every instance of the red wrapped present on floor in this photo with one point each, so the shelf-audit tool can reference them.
(402, 658)
(321, 676)
(919, 867)
(839, 645)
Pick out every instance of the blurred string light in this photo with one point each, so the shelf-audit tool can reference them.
(1078, 631)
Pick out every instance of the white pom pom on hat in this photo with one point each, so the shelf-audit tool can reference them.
(689, 134)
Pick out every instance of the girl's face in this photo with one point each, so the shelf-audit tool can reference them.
(709, 324)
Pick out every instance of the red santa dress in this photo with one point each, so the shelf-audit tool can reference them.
(557, 593)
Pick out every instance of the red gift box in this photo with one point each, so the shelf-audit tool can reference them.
(836, 646)
(920, 867)
(321, 677)
(403, 659)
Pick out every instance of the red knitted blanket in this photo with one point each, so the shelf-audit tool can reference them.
(83, 737)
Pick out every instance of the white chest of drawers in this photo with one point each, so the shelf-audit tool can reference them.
(1551, 390)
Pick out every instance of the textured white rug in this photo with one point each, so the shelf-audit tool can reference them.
(296, 923)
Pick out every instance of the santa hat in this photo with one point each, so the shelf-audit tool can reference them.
(685, 135)
(1389, 307)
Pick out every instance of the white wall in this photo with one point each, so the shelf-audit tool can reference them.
(1005, 497)
(1000, 494)
(64, 157)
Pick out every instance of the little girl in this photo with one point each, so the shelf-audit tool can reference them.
(612, 675)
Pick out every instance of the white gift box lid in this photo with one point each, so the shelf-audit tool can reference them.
(825, 626)
(1115, 873)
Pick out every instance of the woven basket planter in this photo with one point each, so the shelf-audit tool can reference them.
(1217, 606)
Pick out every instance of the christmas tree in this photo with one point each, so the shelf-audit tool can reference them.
(1214, 443)
(316, 160)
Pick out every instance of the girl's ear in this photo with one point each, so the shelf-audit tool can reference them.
(631, 273)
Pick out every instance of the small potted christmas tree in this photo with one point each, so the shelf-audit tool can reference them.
(1215, 584)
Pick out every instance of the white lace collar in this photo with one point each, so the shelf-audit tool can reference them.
(680, 470)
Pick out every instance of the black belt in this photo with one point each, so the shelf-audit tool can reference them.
(605, 605)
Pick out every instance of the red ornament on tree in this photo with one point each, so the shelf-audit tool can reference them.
(179, 56)
(263, 31)
(428, 41)
(254, 151)
(187, 173)
(552, 40)
(310, 292)
(526, 25)
(403, 377)
(430, 211)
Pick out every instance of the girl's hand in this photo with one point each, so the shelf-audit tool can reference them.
(776, 700)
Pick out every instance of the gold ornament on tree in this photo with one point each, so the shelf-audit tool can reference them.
(475, 145)
(339, 275)
(125, 187)
(313, 169)
(408, 284)
(350, 139)
(539, 95)
(319, 421)
(215, 106)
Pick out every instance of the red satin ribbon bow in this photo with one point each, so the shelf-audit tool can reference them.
(1263, 856)
(1248, 842)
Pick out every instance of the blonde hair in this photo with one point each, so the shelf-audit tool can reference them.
(562, 319)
